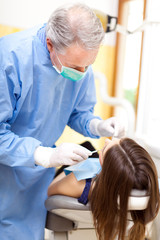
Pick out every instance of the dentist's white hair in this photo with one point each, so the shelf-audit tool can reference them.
(74, 23)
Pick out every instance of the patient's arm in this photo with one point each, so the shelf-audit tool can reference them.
(66, 185)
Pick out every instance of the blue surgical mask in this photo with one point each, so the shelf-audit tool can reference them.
(70, 73)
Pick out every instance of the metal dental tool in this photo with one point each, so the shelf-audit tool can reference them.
(95, 151)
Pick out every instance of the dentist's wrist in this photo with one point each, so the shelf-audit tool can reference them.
(94, 126)
(42, 156)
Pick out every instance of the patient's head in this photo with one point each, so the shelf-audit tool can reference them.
(129, 163)
(125, 166)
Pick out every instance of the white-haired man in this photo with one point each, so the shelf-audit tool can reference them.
(46, 83)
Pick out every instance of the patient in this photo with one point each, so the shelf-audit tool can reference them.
(125, 166)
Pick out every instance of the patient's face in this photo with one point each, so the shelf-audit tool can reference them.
(108, 144)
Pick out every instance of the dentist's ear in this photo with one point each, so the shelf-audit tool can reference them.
(49, 44)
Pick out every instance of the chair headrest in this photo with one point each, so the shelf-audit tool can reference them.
(138, 200)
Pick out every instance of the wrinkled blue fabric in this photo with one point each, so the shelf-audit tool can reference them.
(86, 169)
(36, 103)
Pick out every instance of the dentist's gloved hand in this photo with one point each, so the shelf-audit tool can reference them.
(64, 154)
(107, 128)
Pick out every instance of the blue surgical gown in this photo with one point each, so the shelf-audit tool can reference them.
(36, 103)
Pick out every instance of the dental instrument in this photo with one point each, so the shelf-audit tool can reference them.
(95, 151)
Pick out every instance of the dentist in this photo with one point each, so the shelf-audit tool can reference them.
(46, 83)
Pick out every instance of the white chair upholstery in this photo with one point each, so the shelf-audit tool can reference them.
(66, 213)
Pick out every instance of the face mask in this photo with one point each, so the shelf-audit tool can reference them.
(70, 73)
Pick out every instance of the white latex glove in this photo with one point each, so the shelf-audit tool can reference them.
(64, 154)
(107, 128)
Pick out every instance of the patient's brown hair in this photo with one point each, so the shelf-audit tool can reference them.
(126, 166)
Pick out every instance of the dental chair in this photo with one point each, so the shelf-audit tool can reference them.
(67, 219)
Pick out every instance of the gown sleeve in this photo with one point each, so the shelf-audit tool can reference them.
(14, 150)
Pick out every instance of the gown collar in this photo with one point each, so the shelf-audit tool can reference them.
(41, 34)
